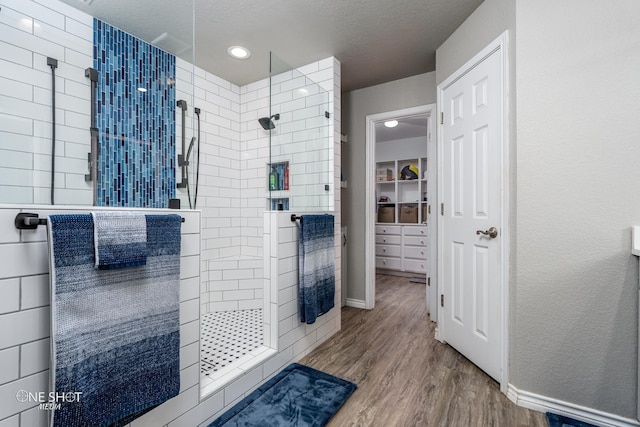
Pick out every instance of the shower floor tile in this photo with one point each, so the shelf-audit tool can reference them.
(227, 336)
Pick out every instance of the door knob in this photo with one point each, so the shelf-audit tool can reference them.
(492, 232)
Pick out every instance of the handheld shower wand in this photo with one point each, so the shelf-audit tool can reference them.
(182, 160)
(186, 163)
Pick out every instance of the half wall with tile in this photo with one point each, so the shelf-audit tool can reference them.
(25, 317)
(25, 324)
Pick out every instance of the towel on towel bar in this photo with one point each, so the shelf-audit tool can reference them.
(114, 333)
(316, 267)
(120, 239)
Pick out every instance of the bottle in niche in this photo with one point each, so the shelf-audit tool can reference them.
(273, 179)
(286, 177)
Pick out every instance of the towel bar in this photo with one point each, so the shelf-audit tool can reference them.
(295, 217)
(31, 221)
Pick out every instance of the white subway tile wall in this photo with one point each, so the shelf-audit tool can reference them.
(233, 193)
(31, 32)
(219, 192)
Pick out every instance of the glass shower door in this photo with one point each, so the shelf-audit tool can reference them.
(300, 171)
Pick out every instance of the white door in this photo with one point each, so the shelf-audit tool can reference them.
(472, 213)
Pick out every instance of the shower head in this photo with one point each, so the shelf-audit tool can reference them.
(267, 123)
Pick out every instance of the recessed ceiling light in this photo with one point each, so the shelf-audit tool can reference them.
(239, 52)
(391, 123)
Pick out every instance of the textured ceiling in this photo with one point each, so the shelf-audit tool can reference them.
(375, 40)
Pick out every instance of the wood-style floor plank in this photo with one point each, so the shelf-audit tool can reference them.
(406, 377)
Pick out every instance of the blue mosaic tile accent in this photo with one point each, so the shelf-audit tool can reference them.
(136, 154)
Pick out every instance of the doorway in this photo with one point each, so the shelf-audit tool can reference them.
(399, 235)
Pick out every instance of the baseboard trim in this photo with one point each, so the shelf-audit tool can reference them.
(582, 413)
(410, 274)
(356, 303)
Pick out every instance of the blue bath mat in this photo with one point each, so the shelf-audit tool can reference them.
(562, 421)
(298, 396)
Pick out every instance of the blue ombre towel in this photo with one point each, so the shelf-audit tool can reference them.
(115, 334)
(316, 267)
(120, 239)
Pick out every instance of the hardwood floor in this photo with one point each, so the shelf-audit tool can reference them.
(406, 377)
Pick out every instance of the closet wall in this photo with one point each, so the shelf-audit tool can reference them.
(401, 231)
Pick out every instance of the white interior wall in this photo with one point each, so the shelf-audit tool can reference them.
(408, 148)
(578, 101)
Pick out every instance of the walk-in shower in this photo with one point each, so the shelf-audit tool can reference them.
(222, 154)
(288, 170)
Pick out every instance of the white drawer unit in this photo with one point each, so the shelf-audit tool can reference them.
(402, 248)
(389, 247)
(383, 239)
(415, 241)
(415, 266)
(415, 252)
(389, 263)
(389, 229)
(389, 250)
(414, 231)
